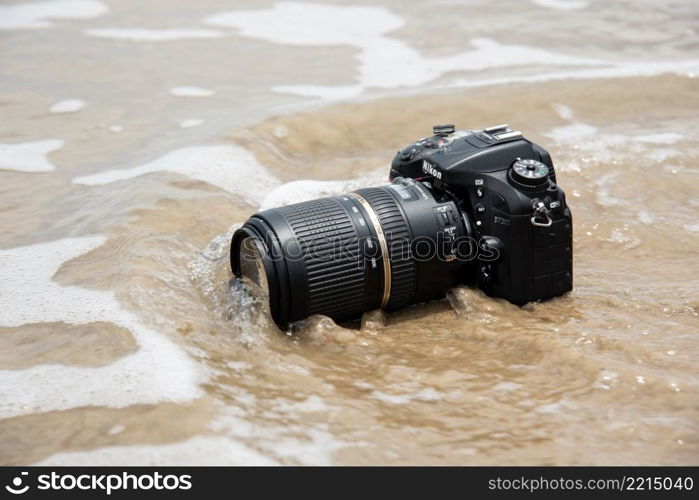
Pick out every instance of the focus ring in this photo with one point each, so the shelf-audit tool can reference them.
(398, 238)
(330, 249)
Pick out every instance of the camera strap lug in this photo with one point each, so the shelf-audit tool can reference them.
(540, 210)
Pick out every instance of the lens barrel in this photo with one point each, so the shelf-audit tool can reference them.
(379, 247)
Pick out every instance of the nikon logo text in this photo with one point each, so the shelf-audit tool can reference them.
(429, 169)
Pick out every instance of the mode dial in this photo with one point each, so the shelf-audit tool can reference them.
(531, 173)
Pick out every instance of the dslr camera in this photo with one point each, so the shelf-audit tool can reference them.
(481, 208)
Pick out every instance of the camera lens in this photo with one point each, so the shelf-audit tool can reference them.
(384, 247)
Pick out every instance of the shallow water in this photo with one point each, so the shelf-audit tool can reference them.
(134, 142)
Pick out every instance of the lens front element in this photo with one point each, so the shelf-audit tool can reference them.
(251, 265)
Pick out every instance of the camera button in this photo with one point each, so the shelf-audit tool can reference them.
(487, 138)
(480, 193)
(480, 208)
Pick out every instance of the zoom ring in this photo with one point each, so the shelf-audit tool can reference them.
(398, 238)
(330, 250)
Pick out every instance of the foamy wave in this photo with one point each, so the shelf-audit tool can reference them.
(311, 443)
(201, 450)
(328, 93)
(158, 371)
(192, 122)
(608, 146)
(382, 60)
(688, 67)
(37, 15)
(428, 394)
(152, 35)
(571, 132)
(191, 92)
(310, 24)
(231, 168)
(561, 4)
(29, 156)
(67, 106)
(228, 167)
(303, 190)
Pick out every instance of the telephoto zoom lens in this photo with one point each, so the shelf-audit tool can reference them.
(384, 247)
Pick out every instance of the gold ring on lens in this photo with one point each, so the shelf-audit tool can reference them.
(374, 219)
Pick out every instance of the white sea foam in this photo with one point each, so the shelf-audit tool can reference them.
(158, 371)
(563, 111)
(660, 138)
(37, 15)
(571, 132)
(327, 93)
(645, 217)
(152, 35)
(193, 122)
(507, 386)
(315, 447)
(608, 147)
(310, 24)
(116, 429)
(29, 156)
(228, 167)
(310, 443)
(382, 60)
(561, 4)
(576, 131)
(200, 450)
(607, 70)
(67, 106)
(428, 394)
(559, 407)
(191, 92)
(280, 131)
(302, 190)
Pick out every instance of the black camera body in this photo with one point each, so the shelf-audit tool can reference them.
(505, 186)
(480, 208)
